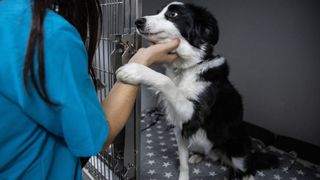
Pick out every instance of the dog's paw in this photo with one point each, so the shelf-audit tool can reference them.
(131, 73)
(184, 175)
(195, 158)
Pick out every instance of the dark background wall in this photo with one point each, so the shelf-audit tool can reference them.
(273, 48)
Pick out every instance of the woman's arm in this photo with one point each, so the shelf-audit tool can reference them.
(117, 107)
(121, 99)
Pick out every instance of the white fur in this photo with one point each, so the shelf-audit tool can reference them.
(200, 143)
(239, 163)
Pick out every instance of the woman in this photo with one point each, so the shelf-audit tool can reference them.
(50, 114)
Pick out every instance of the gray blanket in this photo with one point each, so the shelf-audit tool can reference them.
(159, 159)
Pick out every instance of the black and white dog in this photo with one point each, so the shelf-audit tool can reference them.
(199, 99)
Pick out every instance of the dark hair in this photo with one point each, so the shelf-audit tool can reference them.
(84, 15)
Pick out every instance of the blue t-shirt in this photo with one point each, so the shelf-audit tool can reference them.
(37, 140)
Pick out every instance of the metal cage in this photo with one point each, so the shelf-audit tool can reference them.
(121, 160)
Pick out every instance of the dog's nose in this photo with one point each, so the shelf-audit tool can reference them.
(140, 22)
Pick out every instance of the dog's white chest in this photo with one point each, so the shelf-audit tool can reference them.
(188, 83)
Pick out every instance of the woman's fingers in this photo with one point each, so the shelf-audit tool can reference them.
(159, 53)
(169, 46)
(172, 57)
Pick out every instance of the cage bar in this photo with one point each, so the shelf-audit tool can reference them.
(121, 160)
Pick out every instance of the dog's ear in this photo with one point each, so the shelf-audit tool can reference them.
(212, 31)
(204, 25)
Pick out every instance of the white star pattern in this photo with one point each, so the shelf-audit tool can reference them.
(174, 145)
(168, 175)
(163, 150)
(159, 127)
(165, 157)
(260, 173)
(142, 121)
(166, 164)
(172, 133)
(223, 168)
(148, 130)
(162, 144)
(285, 169)
(160, 137)
(149, 147)
(172, 139)
(300, 172)
(208, 164)
(291, 161)
(293, 178)
(151, 171)
(149, 135)
(149, 141)
(277, 177)
(151, 162)
(196, 171)
(159, 132)
(150, 154)
(212, 174)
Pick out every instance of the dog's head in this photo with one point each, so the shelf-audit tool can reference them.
(194, 25)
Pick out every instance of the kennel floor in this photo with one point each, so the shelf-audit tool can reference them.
(159, 157)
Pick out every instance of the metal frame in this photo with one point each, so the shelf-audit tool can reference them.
(121, 160)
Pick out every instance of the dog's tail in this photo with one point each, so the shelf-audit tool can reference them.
(260, 161)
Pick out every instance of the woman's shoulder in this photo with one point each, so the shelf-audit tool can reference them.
(55, 24)
(62, 40)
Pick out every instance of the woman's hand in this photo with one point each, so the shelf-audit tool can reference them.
(156, 54)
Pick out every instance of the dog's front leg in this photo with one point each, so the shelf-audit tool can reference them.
(138, 74)
(183, 155)
(134, 73)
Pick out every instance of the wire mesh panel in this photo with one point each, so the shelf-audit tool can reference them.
(120, 161)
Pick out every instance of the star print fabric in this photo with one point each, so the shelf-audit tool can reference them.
(159, 157)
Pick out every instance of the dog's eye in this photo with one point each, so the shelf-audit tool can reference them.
(173, 14)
